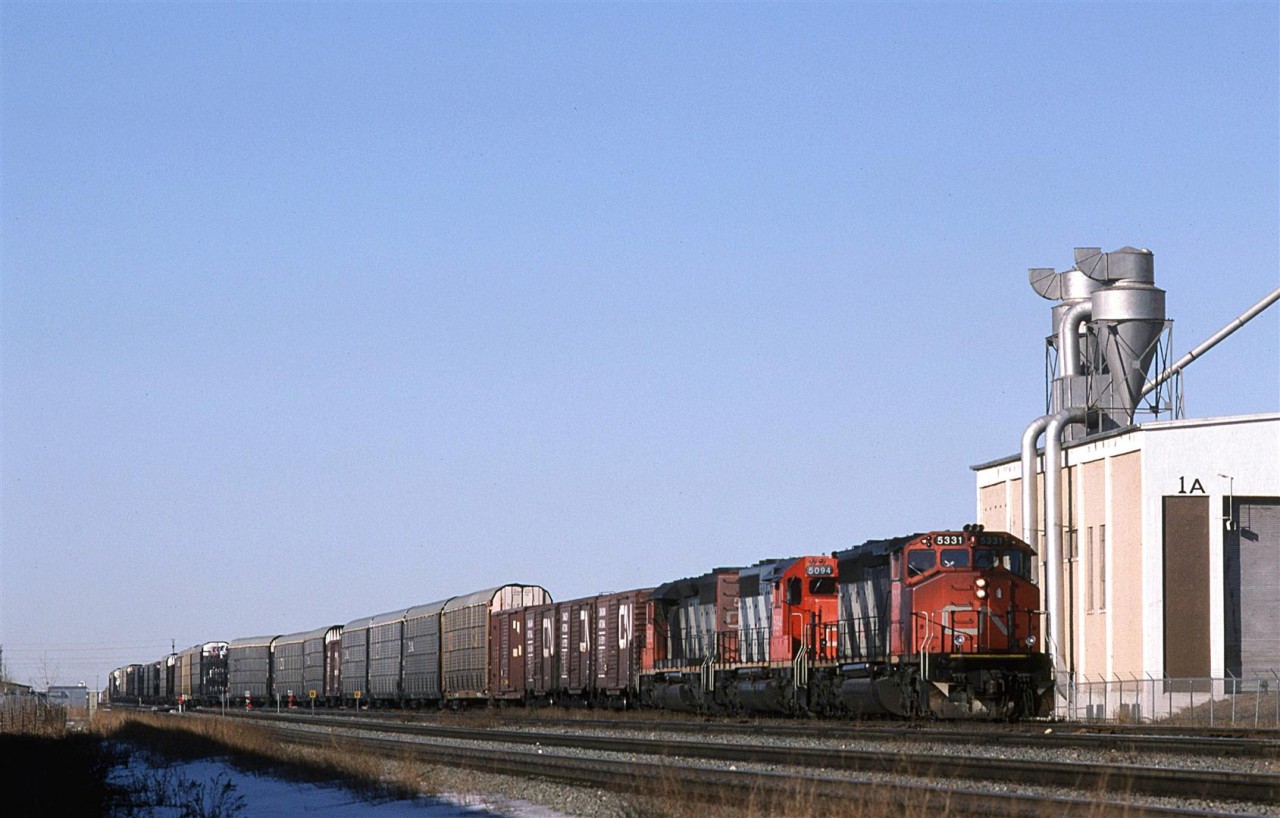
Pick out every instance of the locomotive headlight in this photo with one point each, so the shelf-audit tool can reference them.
(981, 593)
(1031, 641)
(981, 582)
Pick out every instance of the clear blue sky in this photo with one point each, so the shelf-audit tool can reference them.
(312, 311)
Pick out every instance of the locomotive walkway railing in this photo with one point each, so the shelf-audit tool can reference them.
(862, 640)
(1250, 701)
(855, 640)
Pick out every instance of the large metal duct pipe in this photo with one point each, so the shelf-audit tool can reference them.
(1053, 524)
(1069, 337)
(1030, 523)
(1211, 342)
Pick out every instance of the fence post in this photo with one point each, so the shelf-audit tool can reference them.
(1257, 701)
(1151, 685)
(1234, 690)
(1276, 723)
(1212, 691)
(1072, 699)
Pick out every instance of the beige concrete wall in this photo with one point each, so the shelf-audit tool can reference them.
(992, 506)
(1015, 513)
(1124, 588)
(1068, 486)
(1139, 469)
(1087, 615)
(1089, 601)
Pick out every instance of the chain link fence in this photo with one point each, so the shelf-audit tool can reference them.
(1249, 701)
(30, 713)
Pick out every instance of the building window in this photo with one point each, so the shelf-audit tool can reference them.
(1089, 561)
(1102, 568)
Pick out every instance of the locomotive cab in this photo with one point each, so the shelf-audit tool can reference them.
(967, 614)
(805, 612)
(967, 592)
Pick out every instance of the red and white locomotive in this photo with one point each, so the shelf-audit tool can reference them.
(945, 623)
(959, 631)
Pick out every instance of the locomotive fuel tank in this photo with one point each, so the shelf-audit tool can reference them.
(769, 694)
(674, 691)
(868, 696)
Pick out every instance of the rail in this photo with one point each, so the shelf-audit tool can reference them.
(1101, 781)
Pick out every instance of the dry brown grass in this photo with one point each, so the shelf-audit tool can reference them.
(669, 798)
(1242, 711)
(252, 747)
(30, 716)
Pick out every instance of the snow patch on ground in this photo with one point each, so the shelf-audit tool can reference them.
(267, 797)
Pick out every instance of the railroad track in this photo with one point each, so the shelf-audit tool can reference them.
(1059, 736)
(826, 772)
(1141, 741)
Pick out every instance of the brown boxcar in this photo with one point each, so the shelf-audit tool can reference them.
(620, 628)
(506, 655)
(577, 627)
(541, 670)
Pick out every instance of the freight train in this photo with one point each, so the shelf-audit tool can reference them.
(944, 624)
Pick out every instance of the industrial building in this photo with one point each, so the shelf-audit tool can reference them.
(77, 699)
(1171, 558)
(1159, 541)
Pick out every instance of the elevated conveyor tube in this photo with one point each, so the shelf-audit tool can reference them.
(1210, 342)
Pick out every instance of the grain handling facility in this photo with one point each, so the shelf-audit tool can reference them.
(1160, 554)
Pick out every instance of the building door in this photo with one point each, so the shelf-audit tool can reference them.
(1186, 587)
(1251, 588)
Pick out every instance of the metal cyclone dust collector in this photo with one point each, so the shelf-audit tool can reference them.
(1106, 330)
